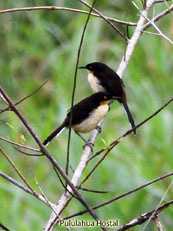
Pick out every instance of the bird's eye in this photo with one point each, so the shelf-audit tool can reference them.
(90, 67)
(105, 97)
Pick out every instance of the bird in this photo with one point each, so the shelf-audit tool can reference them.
(85, 115)
(103, 79)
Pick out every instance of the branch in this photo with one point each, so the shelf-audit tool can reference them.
(161, 1)
(144, 217)
(26, 97)
(15, 182)
(134, 39)
(121, 196)
(3, 227)
(159, 204)
(66, 9)
(158, 17)
(104, 18)
(158, 223)
(154, 25)
(20, 145)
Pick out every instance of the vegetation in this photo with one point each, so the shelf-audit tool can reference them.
(40, 45)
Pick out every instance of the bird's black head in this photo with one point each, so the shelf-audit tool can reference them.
(95, 67)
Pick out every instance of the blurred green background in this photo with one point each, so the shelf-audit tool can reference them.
(40, 45)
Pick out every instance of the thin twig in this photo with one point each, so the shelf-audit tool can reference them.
(159, 204)
(16, 169)
(40, 189)
(66, 9)
(3, 227)
(158, 223)
(26, 97)
(144, 217)
(92, 190)
(104, 18)
(27, 154)
(122, 195)
(19, 145)
(154, 25)
(158, 17)
(161, 1)
(16, 183)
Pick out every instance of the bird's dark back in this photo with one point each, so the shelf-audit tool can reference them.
(82, 110)
(112, 83)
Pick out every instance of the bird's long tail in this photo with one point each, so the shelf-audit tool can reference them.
(57, 132)
(129, 115)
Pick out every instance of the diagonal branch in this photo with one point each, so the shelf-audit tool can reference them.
(134, 39)
(144, 217)
(19, 145)
(154, 25)
(158, 17)
(33, 193)
(107, 20)
(26, 97)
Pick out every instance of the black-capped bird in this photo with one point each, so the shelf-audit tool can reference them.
(103, 78)
(85, 115)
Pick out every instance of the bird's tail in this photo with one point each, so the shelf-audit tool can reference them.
(57, 132)
(129, 115)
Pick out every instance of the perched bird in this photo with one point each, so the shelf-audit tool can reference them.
(85, 115)
(103, 78)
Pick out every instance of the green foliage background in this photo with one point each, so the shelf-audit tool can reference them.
(40, 45)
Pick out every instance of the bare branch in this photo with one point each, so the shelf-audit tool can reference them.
(122, 195)
(154, 25)
(111, 24)
(91, 190)
(154, 213)
(158, 223)
(16, 169)
(15, 182)
(19, 145)
(158, 17)
(132, 42)
(66, 9)
(33, 193)
(3, 227)
(27, 154)
(161, 1)
(26, 97)
(144, 217)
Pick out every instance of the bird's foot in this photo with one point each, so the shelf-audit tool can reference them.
(99, 129)
(89, 144)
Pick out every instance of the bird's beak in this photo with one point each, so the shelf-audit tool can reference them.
(115, 97)
(83, 67)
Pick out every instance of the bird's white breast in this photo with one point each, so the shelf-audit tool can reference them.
(92, 121)
(94, 83)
